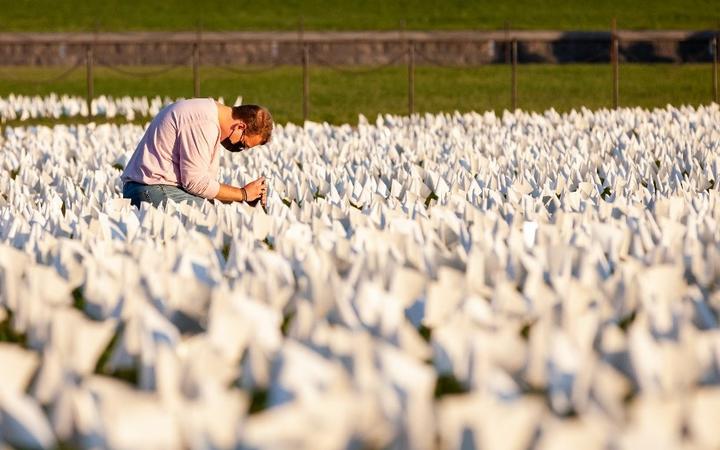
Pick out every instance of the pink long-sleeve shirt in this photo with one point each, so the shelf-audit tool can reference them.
(181, 147)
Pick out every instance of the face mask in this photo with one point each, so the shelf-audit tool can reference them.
(236, 147)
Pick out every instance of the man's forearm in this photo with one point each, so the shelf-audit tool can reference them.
(228, 193)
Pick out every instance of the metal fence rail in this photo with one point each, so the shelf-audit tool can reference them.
(191, 37)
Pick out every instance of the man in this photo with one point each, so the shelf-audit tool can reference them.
(178, 157)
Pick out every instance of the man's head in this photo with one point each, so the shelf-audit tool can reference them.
(252, 125)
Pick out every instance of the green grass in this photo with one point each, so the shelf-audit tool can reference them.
(339, 97)
(126, 15)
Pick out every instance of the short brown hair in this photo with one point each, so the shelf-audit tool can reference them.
(257, 119)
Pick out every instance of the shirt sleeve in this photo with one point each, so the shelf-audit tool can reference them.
(195, 150)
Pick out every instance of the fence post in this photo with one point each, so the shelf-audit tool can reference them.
(614, 58)
(306, 81)
(305, 60)
(514, 73)
(196, 66)
(89, 77)
(716, 50)
(411, 77)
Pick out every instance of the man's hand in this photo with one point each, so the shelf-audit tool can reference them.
(256, 189)
(250, 193)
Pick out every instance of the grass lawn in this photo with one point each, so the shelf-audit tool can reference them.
(339, 97)
(127, 15)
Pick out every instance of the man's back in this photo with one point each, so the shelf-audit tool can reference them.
(180, 148)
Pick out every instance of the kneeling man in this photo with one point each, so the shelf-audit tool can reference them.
(178, 157)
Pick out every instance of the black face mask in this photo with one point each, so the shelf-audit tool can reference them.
(236, 147)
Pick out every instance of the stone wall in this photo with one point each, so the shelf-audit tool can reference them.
(351, 52)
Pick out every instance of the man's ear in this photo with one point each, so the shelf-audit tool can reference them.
(241, 125)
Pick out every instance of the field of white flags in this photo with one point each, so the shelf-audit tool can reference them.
(528, 281)
(53, 106)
